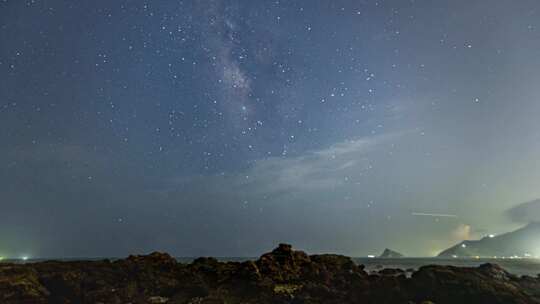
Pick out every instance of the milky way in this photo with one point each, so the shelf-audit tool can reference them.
(225, 127)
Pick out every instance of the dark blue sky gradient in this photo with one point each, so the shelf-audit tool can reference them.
(224, 127)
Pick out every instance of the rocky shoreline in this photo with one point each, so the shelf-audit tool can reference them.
(281, 276)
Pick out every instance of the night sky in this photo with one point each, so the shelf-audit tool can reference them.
(225, 127)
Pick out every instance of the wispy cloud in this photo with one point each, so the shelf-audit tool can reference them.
(525, 212)
(331, 188)
(316, 171)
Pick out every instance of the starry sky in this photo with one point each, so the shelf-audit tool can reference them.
(223, 127)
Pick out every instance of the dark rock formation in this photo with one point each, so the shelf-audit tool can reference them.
(391, 271)
(281, 276)
(390, 254)
(521, 242)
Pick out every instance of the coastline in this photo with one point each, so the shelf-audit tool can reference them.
(281, 276)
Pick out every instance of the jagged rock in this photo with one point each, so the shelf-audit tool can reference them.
(391, 271)
(485, 284)
(283, 264)
(21, 285)
(281, 276)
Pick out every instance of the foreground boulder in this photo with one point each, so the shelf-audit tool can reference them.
(283, 275)
(486, 284)
(21, 285)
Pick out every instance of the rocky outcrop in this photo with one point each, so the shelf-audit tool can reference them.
(283, 275)
(21, 285)
(488, 283)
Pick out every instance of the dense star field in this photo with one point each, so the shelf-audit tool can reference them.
(225, 127)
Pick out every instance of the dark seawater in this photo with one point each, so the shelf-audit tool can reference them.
(530, 267)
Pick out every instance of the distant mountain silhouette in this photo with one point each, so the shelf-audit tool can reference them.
(388, 253)
(524, 242)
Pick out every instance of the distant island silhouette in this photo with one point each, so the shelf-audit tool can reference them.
(521, 243)
(389, 253)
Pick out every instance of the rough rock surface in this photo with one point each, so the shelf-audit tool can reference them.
(281, 276)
